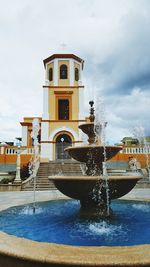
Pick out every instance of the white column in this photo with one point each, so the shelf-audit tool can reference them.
(2, 150)
(56, 71)
(24, 135)
(81, 104)
(46, 148)
(46, 152)
(71, 72)
(44, 131)
(45, 104)
(18, 166)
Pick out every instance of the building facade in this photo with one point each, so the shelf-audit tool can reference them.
(62, 114)
(62, 107)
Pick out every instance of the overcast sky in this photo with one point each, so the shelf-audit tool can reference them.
(112, 36)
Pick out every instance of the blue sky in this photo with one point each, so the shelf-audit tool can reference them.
(112, 36)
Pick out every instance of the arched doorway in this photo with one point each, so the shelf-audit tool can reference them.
(62, 141)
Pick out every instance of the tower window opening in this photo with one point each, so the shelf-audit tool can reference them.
(63, 109)
(50, 74)
(63, 72)
(76, 74)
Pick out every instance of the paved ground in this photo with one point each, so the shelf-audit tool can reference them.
(138, 194)
(8, 199)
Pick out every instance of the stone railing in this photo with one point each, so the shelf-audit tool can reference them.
(136, 150)
(12, 150)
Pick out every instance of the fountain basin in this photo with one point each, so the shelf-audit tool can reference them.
(23, 252)
(92, 154)
(83, 188)
(26, 253)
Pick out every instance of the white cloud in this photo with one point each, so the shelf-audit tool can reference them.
(126, 112)
(112, 37)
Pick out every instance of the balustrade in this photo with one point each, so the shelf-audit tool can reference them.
(14, 150)
(136, 150)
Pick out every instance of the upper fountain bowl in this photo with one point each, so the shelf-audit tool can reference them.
(93, 153)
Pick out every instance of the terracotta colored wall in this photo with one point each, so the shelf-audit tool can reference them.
(125, 157)
(11, 159)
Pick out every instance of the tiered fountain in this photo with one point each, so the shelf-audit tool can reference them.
(96, 188)
(60, 223)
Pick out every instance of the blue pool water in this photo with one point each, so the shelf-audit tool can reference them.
(60, 222)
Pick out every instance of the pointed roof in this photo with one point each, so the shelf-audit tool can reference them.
(80, 60)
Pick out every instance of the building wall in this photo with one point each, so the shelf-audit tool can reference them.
(142, 158)
(59, 126)
(11, 159)
(27, 129)
(63, 82)
(70, 93)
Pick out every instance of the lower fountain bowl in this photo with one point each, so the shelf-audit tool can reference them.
(92, 190)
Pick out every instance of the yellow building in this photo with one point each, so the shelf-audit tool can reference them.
(62, 107)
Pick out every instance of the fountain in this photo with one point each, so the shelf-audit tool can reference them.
(92, 189)
(56, 220)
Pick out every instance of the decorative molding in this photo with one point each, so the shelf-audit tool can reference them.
(47, 142)
(54, 142)
(64, 121)
(67, 86)
(63, 92)
(52, 57)
(26, 123)
(63, 129)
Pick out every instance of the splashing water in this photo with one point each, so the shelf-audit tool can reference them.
(36, 157)
(83, 168)
(104, 228)
(100, 130)
(28, 210)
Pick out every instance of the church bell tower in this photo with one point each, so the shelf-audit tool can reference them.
(62, 105)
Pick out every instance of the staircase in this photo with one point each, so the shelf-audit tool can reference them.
(68, 167)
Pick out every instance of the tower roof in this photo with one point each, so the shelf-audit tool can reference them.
(63, 56)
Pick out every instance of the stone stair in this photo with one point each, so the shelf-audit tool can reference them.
(67, 167)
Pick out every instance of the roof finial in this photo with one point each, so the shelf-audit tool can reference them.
(63, 46)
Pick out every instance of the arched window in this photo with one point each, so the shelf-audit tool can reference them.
(50, 74)
(63, 71)
(76, 74)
